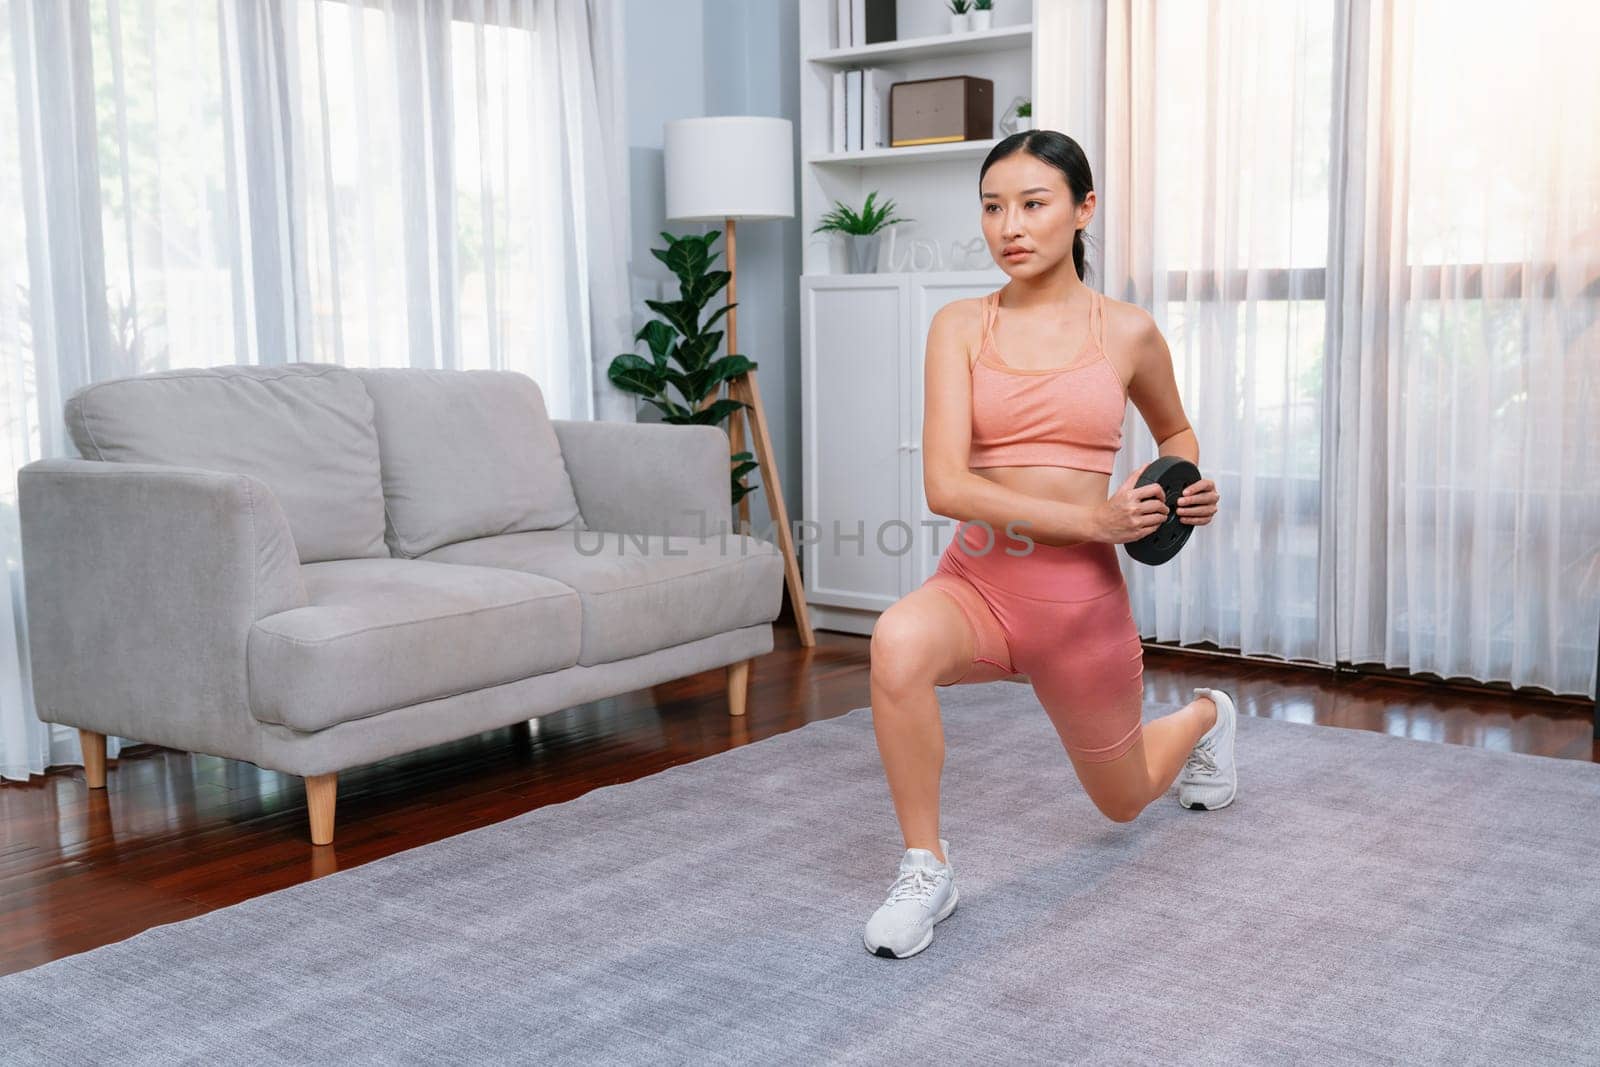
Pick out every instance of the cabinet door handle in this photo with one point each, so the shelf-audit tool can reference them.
(913, 448)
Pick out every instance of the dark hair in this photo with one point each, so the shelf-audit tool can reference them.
(1061, 152)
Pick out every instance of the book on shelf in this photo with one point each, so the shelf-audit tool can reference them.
(860, 108)
(875, 105)
(836, 142)
(861, 22)
(852, 105)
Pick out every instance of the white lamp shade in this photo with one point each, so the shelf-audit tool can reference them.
(729, 167)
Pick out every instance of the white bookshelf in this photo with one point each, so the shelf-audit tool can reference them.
(934, 185)
(933, 46)
(872, 157)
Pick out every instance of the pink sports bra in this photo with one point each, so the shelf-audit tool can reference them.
(1066, 416)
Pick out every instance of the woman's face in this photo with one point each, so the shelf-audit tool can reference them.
(1025, 204)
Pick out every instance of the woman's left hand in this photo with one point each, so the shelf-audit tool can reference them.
(1198, 503)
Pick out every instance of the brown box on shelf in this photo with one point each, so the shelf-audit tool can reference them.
(941, 110)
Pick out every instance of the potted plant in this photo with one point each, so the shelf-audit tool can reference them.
(960, 16)
(683, 350)
(861, 230)
(982, 14)
(1025, 115)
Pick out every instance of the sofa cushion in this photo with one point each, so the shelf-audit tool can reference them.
(466, 454)
(642, 593)
(303, 429)
(379, 634)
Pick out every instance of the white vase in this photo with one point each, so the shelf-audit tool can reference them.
(960, 23)
(1024, 122)
(982, 19)
(863, 252)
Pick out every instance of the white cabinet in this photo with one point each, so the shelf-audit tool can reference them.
(868, 535)
(855, 418)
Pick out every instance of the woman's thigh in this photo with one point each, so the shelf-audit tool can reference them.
(941, 632)
(1086, 664)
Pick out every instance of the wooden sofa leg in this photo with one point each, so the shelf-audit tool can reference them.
(738, 686)
(94, 757)
(321, 792)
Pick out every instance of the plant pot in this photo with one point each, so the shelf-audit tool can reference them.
(1024, 122)
(863, 252)
(981, 19)
(960, 23)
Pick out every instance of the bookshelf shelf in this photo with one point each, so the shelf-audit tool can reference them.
(909, 154)
(938, 46)
(934, 186)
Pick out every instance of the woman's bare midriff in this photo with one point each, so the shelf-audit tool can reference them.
(1052, 483)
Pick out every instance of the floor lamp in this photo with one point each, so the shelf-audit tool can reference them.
(721, 169)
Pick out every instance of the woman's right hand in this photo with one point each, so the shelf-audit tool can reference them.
(1133, 511)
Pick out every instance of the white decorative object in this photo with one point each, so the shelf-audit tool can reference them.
(1010, 122)
(915, 256)
(960, 23)
(972, 255)
(1024, 122)
(920, 255)
(982, 18)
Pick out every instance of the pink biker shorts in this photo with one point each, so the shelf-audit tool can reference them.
(1060, 615)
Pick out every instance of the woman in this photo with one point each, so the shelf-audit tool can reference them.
(1025, 391)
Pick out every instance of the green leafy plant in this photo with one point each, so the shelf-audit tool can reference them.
(960, 7)
(1025, 109)
(982, 5)
(868, 220)
(683, 349)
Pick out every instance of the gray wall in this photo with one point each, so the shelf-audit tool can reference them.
(688, 58)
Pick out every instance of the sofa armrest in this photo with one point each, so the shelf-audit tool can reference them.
(649, 477)
(142, 582)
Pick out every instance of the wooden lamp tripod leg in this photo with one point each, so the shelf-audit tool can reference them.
(745, 390)
(736, 444)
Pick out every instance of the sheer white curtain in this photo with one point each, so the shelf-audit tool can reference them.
(433, 183)
(1468, 285)
(1367, 229)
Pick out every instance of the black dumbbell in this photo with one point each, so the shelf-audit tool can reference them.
(1159, 545)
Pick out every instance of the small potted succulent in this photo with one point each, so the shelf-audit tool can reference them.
(960, 16)
(1025, 115)
(982, 14)
(861, 230)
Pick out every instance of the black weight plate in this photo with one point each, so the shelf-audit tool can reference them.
(1174, 474)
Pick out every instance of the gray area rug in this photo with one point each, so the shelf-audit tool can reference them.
(1365, 899)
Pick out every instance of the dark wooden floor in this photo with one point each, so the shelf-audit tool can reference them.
(175, 835)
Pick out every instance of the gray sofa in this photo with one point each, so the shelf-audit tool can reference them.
(310, 568)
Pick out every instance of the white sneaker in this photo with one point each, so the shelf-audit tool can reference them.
(923, 893)
(1210, 777)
